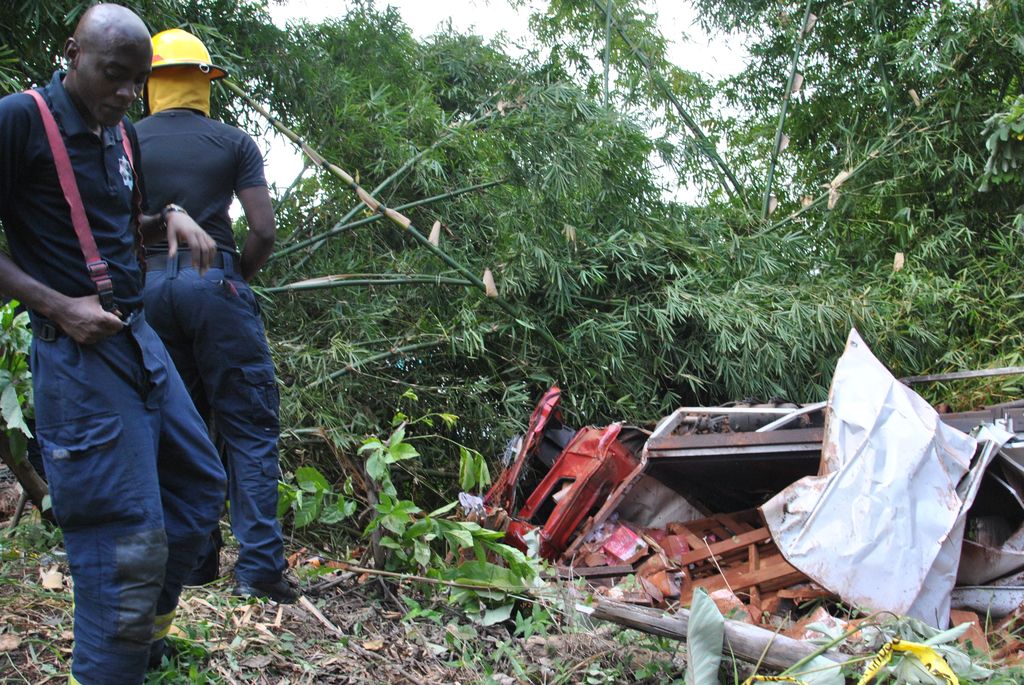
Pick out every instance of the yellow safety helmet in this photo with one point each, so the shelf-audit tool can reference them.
(177, 48)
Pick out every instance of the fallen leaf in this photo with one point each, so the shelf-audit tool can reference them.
(257, 662)
(51, 579)
(9, 643)
(898, 261)
(373, 645)
(916, 98)
(435, 234)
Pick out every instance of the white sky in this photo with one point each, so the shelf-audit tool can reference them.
(690, 47)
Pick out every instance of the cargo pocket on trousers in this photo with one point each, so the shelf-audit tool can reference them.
(89, 482)
(265, 401)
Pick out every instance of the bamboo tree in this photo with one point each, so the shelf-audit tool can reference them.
(704, 144)
(607, 48)
(786, 98)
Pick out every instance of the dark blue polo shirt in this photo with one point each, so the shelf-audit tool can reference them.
(200, 164)
(35, 214)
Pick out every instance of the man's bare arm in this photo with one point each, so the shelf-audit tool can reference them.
(82, 318)
(259, 243)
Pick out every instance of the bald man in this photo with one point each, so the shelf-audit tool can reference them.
(134, 481)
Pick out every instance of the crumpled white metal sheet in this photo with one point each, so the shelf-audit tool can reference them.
(872, 526)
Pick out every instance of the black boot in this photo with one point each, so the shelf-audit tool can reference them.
(280, 591)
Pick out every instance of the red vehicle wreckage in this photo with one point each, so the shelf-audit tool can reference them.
(649, 516)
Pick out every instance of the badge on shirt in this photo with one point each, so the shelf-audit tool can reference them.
(126, 173)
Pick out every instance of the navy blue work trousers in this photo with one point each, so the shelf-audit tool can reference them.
(135, 485)
(212, 328)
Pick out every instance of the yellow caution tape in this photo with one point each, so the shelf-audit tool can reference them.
(772, 679)
(929, 658)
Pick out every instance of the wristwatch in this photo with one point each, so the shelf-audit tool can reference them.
(167, 210)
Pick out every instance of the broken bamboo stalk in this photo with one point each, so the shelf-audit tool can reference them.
(341, 227)
(747, 642)
(351, 280)
(786, 99)
(318, 615)
(374, 205)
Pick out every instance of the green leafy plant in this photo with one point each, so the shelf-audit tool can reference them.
(482, 573)
(15, 377)
(312, 499)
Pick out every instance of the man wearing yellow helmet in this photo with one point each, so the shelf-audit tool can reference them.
(211, 323)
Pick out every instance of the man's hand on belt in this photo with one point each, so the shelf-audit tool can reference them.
(181, 228)
(84, 320)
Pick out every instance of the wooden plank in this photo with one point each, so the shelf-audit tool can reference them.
(595, 571)
(739, 542)
(692, 539)
(754, 563)
(742, 579)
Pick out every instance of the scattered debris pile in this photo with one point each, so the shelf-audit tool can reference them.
(872, 498)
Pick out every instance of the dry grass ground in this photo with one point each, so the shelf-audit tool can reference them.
(391, 635)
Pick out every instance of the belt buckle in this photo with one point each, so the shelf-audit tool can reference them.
(47, 331)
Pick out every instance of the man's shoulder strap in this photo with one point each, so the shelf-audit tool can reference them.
(94, 264)
(126, 144)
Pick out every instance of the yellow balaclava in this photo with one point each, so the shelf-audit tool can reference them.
(184, 87)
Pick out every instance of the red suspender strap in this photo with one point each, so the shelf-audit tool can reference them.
(140, 250)
(127, 145)
(94, 264)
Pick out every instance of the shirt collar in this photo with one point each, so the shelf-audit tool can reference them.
(69, 118)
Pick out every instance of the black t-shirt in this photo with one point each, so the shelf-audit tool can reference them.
(34, 212)
(198, 163)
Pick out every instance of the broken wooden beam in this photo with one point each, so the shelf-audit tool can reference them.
(747, 642)
(570, 572)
